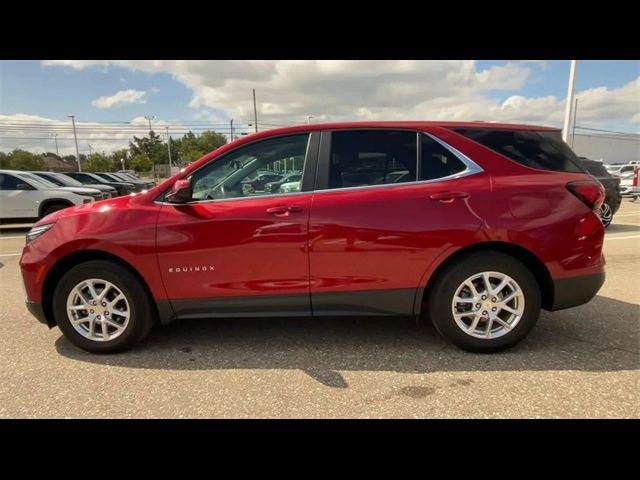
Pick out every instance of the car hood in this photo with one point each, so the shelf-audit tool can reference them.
(102, 186)
(81, 190)
(103, 207)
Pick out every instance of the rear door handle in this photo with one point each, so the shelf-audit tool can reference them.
(283, 210)
(448, 197)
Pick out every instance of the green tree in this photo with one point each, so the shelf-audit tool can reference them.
(5, 161)
(23, 160)
(97, 163)
(191, 147)
(141, 163)
(209, 141)
(151, 147)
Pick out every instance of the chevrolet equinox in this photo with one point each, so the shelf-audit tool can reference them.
(476, 226)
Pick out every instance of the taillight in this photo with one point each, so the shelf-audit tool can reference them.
(591, 192)
(635, 178)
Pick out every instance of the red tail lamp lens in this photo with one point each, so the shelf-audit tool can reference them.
(590, 192)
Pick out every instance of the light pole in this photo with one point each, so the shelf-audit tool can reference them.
(575, 117)
(309, 117)
(255, 110)
(55, 137)
(231, 126)
(568, 108)
(169, 148)
(149, 118)
(75, 137)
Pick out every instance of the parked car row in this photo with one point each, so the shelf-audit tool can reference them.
(27, 196)
(622, 169)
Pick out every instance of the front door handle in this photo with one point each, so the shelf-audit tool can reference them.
(283, 210)
(448, 197)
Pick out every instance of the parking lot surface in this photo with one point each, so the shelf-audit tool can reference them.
(581, 362)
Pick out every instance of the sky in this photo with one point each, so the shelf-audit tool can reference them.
(111, 98)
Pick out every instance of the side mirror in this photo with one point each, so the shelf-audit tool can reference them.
(24, 186)
(180, 191)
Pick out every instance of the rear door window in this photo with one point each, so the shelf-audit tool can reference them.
(544, 150)
(372, 157)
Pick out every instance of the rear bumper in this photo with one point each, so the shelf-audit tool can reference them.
(571, 292)
(35, 309)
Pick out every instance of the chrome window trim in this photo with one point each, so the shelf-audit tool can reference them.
(218, 200)
(472, 168)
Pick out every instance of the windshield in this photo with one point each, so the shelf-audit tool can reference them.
(121, 176)
(63, 179)
(93, 178)
(51, 179)
(39, 180)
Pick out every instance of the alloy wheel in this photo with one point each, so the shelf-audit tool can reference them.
(488, 305)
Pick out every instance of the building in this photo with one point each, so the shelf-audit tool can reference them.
(57, 164)
(608, 147)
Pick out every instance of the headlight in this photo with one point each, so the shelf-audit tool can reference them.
(35, 232)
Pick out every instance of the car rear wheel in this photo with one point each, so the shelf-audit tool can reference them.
(485, 302)
(102, 307)
(606, 214)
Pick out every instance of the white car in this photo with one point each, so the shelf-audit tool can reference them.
(84, 191)
(62, 180)
(290, 187)
(25, 199)
(620, 170)
(627, 186)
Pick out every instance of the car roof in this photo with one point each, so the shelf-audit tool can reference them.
(408, 124)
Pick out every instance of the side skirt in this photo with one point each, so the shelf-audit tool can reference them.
(396, 302)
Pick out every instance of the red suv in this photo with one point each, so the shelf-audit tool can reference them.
(476, 226)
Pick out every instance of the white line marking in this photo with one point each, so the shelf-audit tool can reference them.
(622, 238)
(626, 214)
(10, 254)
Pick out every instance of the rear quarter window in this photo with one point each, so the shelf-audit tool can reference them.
(544, 150)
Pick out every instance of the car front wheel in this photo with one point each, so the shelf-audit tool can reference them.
(102, 307)
(484, 302)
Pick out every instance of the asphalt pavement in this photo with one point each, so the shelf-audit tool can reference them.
(581, 362)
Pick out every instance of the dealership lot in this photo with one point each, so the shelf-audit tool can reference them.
(581, 362)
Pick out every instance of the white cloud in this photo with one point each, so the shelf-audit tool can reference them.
(32, 132)
(123, 97)
(336, 90)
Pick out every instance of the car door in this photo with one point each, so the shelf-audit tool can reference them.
(18, 199)
(231, 252)
(388, 204)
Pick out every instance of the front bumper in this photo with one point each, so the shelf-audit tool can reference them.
(35, 309)
(571, 292)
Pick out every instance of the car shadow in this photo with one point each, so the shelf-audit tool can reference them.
(622, 228)
(600, 336)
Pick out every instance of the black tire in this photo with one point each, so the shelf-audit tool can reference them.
(53, 208)
(142, 312)
(447, 282)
